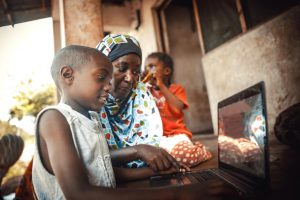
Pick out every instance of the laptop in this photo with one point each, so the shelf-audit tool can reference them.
(243, 159)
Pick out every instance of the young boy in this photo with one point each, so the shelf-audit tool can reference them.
(72, 159)
(171, 101)
(71, 153)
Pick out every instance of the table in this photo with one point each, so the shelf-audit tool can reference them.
(284, 175)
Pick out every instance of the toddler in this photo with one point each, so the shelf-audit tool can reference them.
(171, 101)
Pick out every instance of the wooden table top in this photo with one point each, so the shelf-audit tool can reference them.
(284, 175)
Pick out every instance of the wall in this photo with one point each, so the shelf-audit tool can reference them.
(82, 22)
(117, 19)
(120, 19)
(270, 52)
(146, 32)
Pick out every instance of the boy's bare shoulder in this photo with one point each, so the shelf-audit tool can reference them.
(50, 114)
(51, 119)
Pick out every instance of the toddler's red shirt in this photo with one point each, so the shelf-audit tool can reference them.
(173, 123)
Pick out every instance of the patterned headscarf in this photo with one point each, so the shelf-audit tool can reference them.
(116, 45)
(135, 119)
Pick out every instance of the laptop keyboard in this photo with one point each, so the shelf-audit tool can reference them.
(225, 176)
(196, 177)
(240, 185)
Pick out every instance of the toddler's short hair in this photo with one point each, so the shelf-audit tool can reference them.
(165, 58)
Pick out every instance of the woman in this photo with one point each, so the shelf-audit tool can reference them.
(130, 118)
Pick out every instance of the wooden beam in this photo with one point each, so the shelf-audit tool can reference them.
(198, 25)
(241, 15)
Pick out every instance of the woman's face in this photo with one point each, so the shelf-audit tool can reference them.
(126, 72)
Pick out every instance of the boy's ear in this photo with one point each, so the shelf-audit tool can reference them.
(66, 72)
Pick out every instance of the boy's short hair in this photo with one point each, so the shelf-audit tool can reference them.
(73, 56)
(165, 58)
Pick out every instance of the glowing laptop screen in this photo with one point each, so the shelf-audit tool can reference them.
(242, 131)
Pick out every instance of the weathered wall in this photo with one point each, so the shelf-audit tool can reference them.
(82, 22)
(120, 19)
(270, 52)
(117, 19)
(146, 32)
(185, 51)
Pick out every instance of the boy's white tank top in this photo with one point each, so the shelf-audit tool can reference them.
(91, 147)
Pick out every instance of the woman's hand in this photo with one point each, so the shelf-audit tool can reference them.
(157, 158)
(183, 168)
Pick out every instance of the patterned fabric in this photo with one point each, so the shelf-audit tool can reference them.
(116, 45)
(258, 130)
(133, 121)
(238, 151)
(184, 151)
(172, 124)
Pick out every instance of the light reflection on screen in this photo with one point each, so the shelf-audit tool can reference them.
(242, 128)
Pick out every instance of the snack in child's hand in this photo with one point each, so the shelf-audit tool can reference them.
(148, 77)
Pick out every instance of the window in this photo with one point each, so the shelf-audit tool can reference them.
(219, 22)
(258, 11)
(222, 20)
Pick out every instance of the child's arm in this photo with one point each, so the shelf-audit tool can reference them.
(157, 158)
(175, 104)
(130, 174)
(59, 154)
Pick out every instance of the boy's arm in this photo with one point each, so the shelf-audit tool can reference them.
(59, 154)
(130, 174)
(157, 158)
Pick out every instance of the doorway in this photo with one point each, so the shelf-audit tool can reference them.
(179, 38)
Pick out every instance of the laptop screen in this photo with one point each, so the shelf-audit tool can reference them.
(243, 131)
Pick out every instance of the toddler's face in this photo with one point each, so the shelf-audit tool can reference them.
(155, 66)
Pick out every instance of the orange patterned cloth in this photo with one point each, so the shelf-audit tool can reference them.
(239, 150)
(190, 154)
(25, 189)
